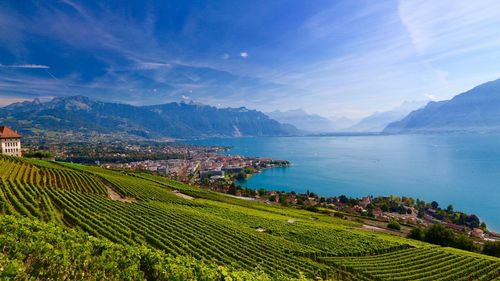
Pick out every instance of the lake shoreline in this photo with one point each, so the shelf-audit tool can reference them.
(452, 169)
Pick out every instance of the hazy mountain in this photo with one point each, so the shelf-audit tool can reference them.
(379, 120)
(341, 123)
(475, 110)
(303, 120)
(82, 114)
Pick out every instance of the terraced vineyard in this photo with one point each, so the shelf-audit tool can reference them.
(423, 263)
(219, 229)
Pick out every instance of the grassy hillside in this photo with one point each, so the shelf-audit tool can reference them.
(141, 212)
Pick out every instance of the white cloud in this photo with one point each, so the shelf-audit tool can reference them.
(185, 97)
(431, 97)
(36, 66)
(226, 56)
(244, 55)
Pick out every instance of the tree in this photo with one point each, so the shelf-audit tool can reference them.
(483, 226)
(439, 235)
(472, 221)
(417, 234)
(464, 242)
(384, 207)
(434, 205)
(492, 248)
(241, 176)
(343, 199)
(261, 192)
(393, 224)
(449, 209)
(421, 213)
(40, 154)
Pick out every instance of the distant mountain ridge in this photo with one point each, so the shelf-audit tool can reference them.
(181, 120)
(476, 110)
(377, 121)
(303, 120)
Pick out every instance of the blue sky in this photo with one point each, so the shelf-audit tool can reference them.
(336, 58)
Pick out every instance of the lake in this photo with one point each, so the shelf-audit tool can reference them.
(462, 170)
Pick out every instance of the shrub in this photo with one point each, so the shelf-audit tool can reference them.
(394, 225)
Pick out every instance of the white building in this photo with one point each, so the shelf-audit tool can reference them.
(10, 142)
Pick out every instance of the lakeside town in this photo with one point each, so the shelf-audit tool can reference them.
(203, 167)
(194, 164)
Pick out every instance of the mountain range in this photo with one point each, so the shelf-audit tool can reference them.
(377, 121)
(303, 120)
(476, 110)
(178, 120)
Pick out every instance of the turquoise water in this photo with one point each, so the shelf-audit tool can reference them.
(462, 170)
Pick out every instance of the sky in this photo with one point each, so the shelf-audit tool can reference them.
(334, 58)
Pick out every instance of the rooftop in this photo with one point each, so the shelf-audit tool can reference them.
(6, 132)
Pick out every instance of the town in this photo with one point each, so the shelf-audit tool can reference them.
(194, 164)
(203, 167)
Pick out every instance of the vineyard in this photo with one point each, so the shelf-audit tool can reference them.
(213, 228)
(424, 263)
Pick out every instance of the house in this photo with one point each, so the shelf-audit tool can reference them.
(477, 232)
(365, 201)
(10, 142)
(377, 212)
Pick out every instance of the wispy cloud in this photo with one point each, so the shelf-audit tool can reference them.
(244, 55)
(449, 26)
(152, 65)
(35, 66)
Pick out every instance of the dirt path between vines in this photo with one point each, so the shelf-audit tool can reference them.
(374, 228)
(176, 192)
(115, 196)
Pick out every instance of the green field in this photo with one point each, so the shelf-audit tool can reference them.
(206, 230)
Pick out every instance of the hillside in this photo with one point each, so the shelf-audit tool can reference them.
(134, 209)
(477, 110)
(84, 115)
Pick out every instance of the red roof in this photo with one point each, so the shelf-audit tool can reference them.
(6, 132)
